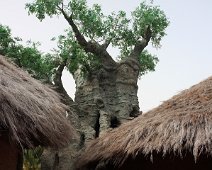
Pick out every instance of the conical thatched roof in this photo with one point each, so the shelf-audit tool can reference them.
(30, 112)
(183, 123)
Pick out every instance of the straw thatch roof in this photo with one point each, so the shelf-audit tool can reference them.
(30, 112)
(183, 123)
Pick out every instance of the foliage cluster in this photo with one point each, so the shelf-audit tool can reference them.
(115, 29)
(32, 158)
(39, 65)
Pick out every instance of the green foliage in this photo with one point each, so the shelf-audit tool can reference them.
(43, 7)
(147, 62)
(90, 20)
(5, 39)
(97, 27)
(32, 158)
(29, 57)
(147, 15)
(70, 50)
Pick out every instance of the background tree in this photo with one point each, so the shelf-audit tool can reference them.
(106, 89)
(40, 66)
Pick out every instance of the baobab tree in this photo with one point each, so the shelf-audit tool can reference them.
(106, 87)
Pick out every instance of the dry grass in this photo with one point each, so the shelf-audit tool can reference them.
(182, 123)
(30, 111)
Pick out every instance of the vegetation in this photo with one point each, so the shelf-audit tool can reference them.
(106, 88)
(92, 24)
(32, 158)
(91, 28)
(41, 66)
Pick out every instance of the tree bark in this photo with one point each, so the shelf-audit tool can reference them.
(107, 98)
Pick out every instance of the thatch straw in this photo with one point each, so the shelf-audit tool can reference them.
(31, 112)
(183, 123)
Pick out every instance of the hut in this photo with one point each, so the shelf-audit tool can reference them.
(174, 136)
(31, 114)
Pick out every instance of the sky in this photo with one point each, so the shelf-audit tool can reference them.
(185, 55)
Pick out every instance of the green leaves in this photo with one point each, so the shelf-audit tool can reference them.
(5, 39)
(44, 7)
(119, 32)
(68, 48)
(147, 15)
(32, 158)
(116, 28)
(147, 62)
(29, 57)
(90, 21)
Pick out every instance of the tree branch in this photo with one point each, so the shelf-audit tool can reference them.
(106, 44)
(141, 44)
(88, 46)
(58, 78)
(80, 38)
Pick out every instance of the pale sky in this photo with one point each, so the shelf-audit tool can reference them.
(185, 56)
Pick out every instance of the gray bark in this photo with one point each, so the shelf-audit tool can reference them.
(104, 99)
(107, 97)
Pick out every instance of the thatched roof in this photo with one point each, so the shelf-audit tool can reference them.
(30, 112)
(182, 123)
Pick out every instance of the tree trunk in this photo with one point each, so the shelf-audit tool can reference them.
(107, 97)
(104, 99)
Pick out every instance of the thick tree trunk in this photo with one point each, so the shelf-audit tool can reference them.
(107, 97)
(104, 99)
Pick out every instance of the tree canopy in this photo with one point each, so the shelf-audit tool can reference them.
(92, 32)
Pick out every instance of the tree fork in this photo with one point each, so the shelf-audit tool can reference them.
(89, 46)
(140, 45)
